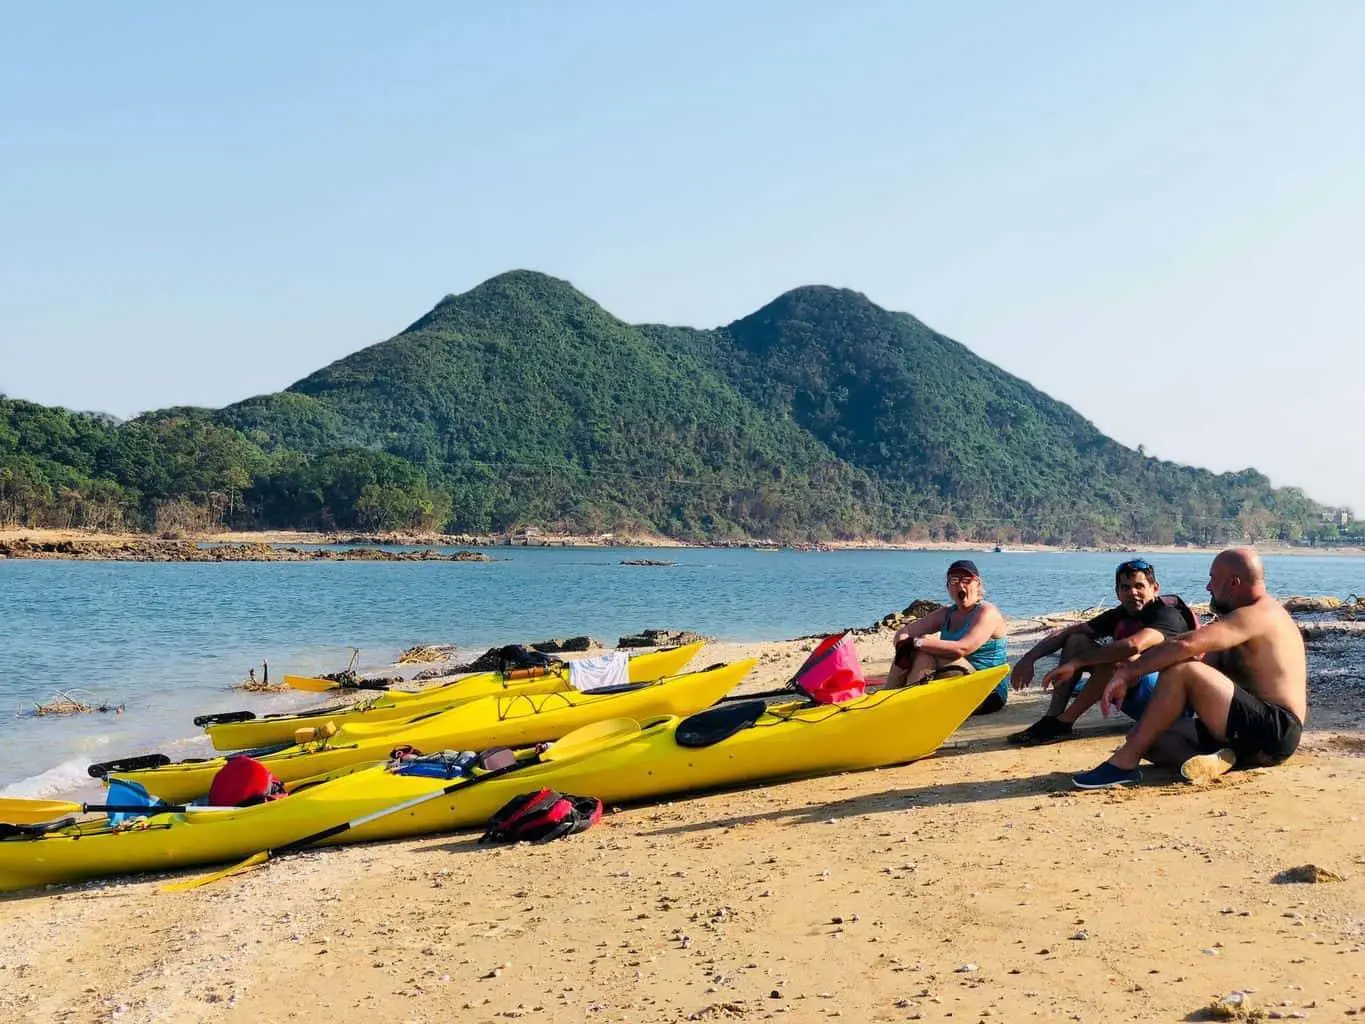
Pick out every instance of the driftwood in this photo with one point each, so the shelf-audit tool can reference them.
(253, 685)
(425, 654)
(66, 702)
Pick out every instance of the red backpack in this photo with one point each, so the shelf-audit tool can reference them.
(541, 816)
(243, 781)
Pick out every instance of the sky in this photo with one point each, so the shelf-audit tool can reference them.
(1152, 212)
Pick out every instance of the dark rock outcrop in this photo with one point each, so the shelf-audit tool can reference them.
(660, 638)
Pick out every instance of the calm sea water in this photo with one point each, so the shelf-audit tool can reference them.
(169, 640)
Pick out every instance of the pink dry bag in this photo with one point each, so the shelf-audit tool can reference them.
(832, 675)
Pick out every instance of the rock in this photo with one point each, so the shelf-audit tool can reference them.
(573, 643)
(920, 608)
(660, 638)
(1311, 604)
(1306, 873)
(914, 610)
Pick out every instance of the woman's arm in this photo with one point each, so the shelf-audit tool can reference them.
(930, 623)
(988, 621)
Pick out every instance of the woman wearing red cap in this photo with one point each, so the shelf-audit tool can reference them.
(968, 634)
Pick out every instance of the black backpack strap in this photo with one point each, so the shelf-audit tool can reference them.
(1178, 603)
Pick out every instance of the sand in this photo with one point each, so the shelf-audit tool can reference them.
(972, 886)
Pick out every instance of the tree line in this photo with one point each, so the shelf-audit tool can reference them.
(184, 473)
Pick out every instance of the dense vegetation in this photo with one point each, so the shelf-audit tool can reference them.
(522, 402)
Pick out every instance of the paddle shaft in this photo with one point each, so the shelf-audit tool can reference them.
(462, 782)
(310, 684)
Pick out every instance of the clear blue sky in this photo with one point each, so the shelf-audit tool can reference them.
(1154, 212)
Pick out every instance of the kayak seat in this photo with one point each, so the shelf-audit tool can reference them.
(618, 688)
(128, 764)
(785, 695)
(718, 723)
(224, 718)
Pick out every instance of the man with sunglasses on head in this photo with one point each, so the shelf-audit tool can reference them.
(1142, 620)
(1249, 692)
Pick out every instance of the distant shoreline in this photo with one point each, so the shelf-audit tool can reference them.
(273, 545)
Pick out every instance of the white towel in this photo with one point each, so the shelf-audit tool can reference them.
(610, 669)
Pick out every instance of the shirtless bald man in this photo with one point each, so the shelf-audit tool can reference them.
(1250, 691)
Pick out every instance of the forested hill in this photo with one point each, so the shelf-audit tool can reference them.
(523, 402)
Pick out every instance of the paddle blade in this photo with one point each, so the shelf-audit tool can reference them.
(311, 684)
(585, 738)
(20, 811)
(241, 867)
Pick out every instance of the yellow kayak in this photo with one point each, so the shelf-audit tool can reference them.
(397, 705)
(733, 743)
(473, 725)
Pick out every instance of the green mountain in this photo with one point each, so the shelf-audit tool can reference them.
(957, 442)
(528, 402)
(523, 402)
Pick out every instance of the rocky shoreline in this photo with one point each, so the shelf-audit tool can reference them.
(284, 545)
(157, 550)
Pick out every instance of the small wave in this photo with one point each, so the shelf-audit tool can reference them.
(64, 778)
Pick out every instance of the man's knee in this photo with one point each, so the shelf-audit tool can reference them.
(1174, 746)
(1194, 678)
(1176, 673)
(1076, 645)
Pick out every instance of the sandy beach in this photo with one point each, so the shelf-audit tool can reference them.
(974, 885)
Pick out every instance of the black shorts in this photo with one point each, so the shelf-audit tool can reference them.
(993, 703)
(1257, 729)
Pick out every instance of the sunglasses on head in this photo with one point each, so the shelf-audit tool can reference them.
(1136, 565)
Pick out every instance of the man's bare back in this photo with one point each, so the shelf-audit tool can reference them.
(1271, 662)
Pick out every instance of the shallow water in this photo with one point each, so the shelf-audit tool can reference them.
(168, 640)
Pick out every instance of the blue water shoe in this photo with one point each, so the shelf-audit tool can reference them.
(1107, 775)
